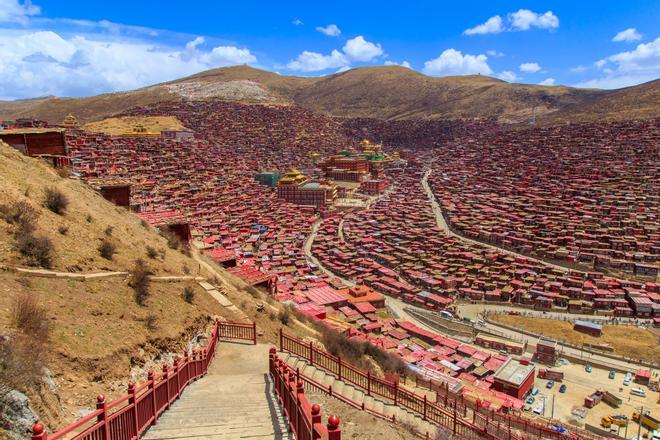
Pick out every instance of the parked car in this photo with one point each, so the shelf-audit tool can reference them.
(535, 391)
(530, 399)
(588, 368)
(562, 389)
(550, 384)
(612, 374)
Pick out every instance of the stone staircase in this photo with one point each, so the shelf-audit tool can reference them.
(235, 400)
(347, 390)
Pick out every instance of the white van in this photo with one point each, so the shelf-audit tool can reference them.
(638, 392)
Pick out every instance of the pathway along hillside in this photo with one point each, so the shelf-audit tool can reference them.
(235, 400)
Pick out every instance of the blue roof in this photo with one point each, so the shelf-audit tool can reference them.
(589, 324)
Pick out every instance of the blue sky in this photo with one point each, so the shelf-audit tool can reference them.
(66, 48)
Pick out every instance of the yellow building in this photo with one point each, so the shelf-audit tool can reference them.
(70, 121)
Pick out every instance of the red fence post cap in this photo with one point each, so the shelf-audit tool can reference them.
(131, 387)
(100, 398)
(300, 386)
(315, 409)
(37, 429)
(150, 374)
(272, 350)
(333, 422)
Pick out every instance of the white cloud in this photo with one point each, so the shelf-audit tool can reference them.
(359, 49)
(38, 63)
(227, 56)
(492, 26)
(530, 67)
(629, 35)
(453, 62)
(579, 69)
(297, 22)
(313, 61)
(521, 20)
(356, 49)
(330, 30)
(628, 68)
(547, 82)
(525, 19)
(494, 53)
(191, 45)
(507, 76)
(394, 63)
(15, 11)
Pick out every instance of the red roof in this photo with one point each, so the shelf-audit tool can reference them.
(325, 295)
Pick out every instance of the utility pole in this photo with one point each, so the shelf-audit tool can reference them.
(552, 414)
(639, 423)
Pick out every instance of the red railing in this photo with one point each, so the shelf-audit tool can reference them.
(130, 416)
(238, 331)
(453, 415)
(304, 419)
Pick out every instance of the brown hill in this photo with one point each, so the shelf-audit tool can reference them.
(381, 92)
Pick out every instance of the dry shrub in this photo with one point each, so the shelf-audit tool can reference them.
(152, 252)
(21, 214)
(22, 354)
(188, 294)
(107, 249)
(352, 350)
(37, 249)
(284, 316)
(151, 322)
(139, 281)
(56, 201)
(108, 231)
(29, 317)
(63, 229)
(173, 241)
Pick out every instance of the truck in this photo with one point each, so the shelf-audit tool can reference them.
(647, 421)
(557, 376)
(611, 399)
(618, 420)
(593, 399)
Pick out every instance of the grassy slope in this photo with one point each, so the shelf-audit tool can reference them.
(124, 125)
(387, 92)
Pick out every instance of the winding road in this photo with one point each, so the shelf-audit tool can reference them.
(442, 224)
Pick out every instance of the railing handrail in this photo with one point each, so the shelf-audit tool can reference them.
(407, 398)
(142, 415)
(304, 419)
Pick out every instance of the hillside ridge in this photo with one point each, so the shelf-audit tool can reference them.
(381, 92)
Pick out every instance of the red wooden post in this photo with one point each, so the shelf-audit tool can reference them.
(454, 417)
(368, 383)
(311, 353)
(186, 360)
(300, 391)
(339, 362)
(254, 333)
(133, 402)
(102, 418)
(281, 341)
(39, 433)
(424, 407)
(205, 365)
(166, 379)
(334, 431)
(175, 367)
(152, 391)
(396, 392)
(316, 415)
